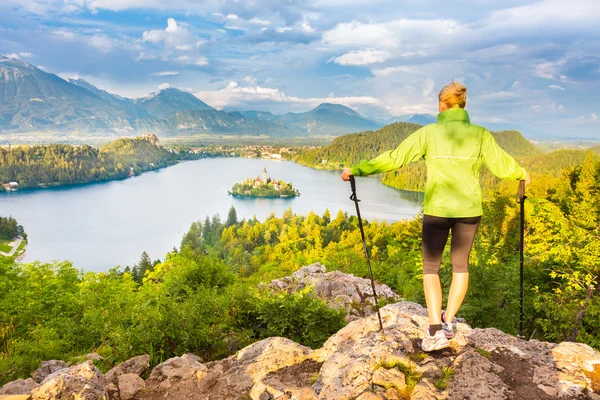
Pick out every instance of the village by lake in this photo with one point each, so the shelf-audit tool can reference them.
(102, 225)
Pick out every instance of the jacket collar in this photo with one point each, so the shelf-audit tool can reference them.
(454, 115)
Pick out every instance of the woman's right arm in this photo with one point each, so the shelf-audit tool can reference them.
(411, 149)
(499, 162)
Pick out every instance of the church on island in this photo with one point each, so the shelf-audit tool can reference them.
(264, 181)
(263, 187)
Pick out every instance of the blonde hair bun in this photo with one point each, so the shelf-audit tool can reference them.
(454, 95)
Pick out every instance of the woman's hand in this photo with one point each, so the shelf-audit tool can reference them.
(527, 179)
(346, 174)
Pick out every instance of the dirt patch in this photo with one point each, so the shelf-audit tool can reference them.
(300, 376)
(594, 377)
(518, 375)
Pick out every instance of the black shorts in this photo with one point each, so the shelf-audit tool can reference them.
(435, 236)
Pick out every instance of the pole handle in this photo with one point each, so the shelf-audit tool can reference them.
(353, 187)
(521, 192)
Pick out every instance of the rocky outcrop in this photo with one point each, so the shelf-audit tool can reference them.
(357, 362)
(20, 386)
(47, 368)
(82, 381)
(339, 290)
(137, 365)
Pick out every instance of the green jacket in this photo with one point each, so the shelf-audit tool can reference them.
(454, 150)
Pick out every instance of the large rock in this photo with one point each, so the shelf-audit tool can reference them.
(82, 381)
(170, 373)
(359, 362)
(47, 368)
(234, 377)
(477, 378)
(20, 386)
(137, 365)
(130, 385)
(337, 289)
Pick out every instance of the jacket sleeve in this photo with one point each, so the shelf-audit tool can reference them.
(499, 162)
(411, 149)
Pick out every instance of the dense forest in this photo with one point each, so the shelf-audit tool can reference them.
(58, 164)
(10, 229)
(204, 296)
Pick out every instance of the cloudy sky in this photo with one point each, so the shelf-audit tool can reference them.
(533, 65)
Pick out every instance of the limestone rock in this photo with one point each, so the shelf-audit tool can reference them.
(425, 390)
(82, 381)
(477, 378)
(389, 378)
(137, 365)
(370, 396)
(20, 386)
(130, 385)
(47, 368)
(171, 372)
(337, 289)
(572, 360)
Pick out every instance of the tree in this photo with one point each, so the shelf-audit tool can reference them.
(232, 217)
(139, 270)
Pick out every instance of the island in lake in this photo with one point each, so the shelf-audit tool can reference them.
(264, 187)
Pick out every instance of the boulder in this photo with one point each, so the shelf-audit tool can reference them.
(20, 386)
(477, 378)
(168, 374)
(130, 385)
(82, 381)
(47, 368)
(389, 378)
(137, 365)
(337, 289)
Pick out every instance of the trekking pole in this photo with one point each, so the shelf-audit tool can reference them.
(521, 200)
(362, 234)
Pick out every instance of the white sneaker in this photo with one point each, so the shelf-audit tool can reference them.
(435, 342)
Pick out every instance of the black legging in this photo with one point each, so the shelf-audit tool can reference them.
(435, 236)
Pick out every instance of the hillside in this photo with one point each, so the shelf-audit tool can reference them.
(170, 101)
(515, 144)
(350, 149)
(32, 100)
(355, 362)
(328, 119)
(58, 164)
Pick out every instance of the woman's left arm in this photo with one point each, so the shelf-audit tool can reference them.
(410, 150)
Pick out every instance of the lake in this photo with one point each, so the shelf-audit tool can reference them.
(102, 225)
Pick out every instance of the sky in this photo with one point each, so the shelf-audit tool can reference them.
(530, 65)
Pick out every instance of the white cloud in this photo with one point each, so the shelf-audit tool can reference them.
(175, 36)
(556, 87)
(593, 118)
(166, 73)
(163, 86)
(13, 55)
(102, 43)
(362, 57)
(392, 70)
(234, 94)
(359, 34)
(259, 21)
(546, 70)
(428, 87)
(63, 34)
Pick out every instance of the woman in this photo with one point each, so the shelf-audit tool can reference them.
(454, 150)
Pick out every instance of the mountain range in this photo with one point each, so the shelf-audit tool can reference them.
(32, 100)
